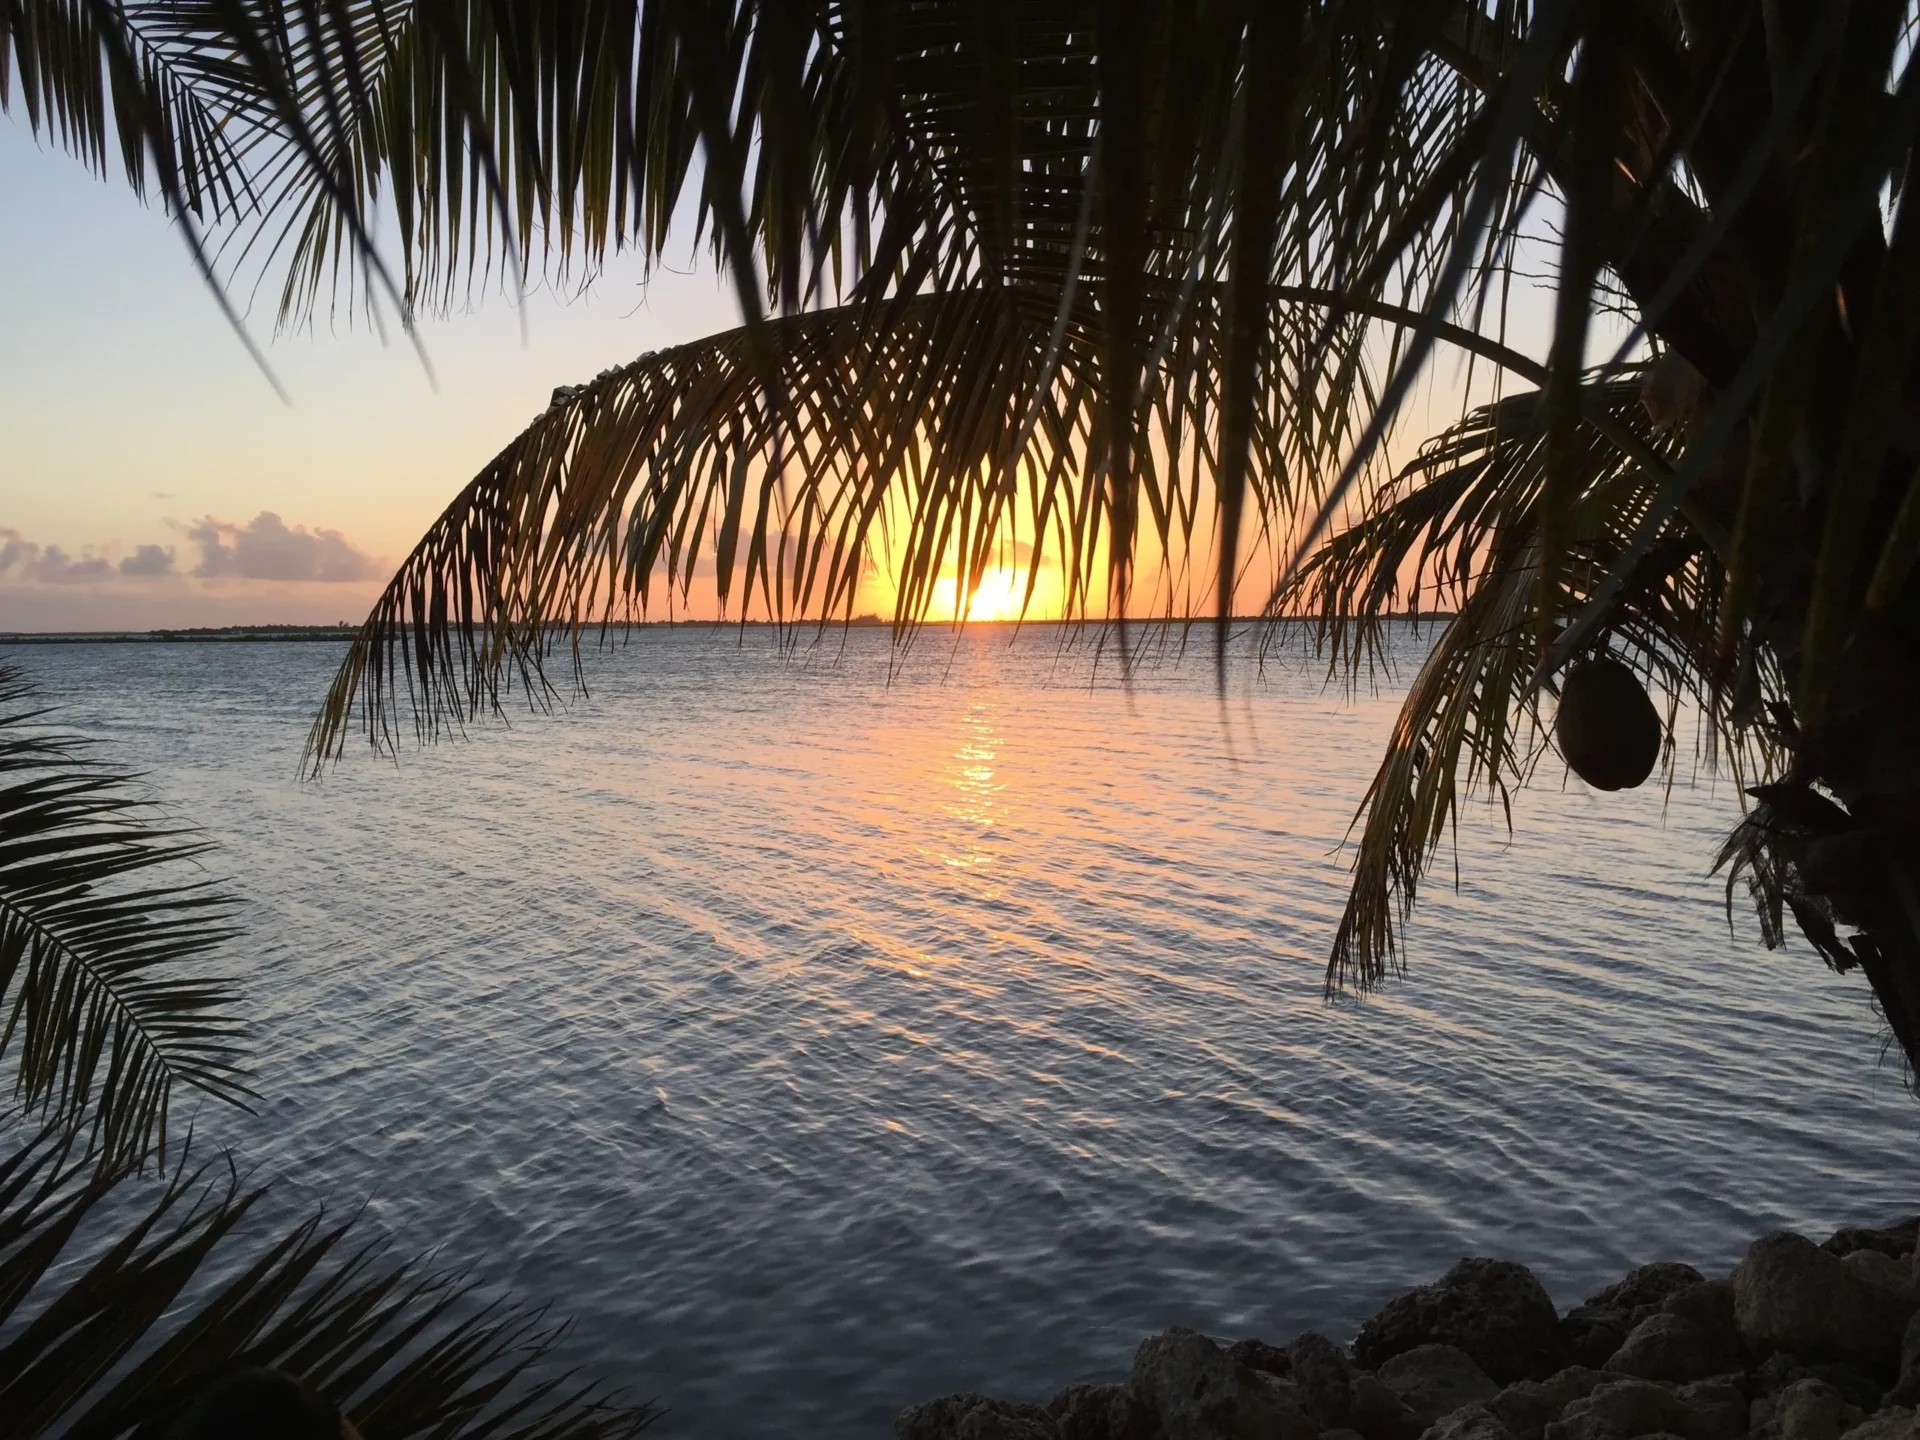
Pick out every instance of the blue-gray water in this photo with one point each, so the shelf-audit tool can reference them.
(823, 1044)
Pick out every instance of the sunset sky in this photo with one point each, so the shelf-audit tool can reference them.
(151, 476)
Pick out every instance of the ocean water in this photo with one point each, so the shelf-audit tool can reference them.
(824, 1036)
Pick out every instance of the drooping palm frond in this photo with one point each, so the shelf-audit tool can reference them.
(1459, 530)
(908, 427)
(94, 1339)
(159, 87)
(1151, 175)
(122, 1293)
(105, 985)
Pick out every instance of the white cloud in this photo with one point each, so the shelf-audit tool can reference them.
(49, 564)
(148, 561)
(267, 548)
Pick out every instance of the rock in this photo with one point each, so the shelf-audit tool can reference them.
(1341, 1435)
(1878, 1268)
(1471, 1422)
(1259, 1355)
(1527, 1407)
(1717, 1409)
(1101, 1412)
(1708, 1305)
(1624, 1408)
(1434, 1380)
(1379, 1414)
(1324, 1374)
(1644, 1289)
(1492, 1309)
(974, 1417)
(1855, 1385)
(1906, 1390)
(1591, 1333)
(1895, 1241)
(1896, 1422)
(1810, 1410)
(1670, 1347)
(1201, 1393)
(1790, 1295)
(1621, 1409)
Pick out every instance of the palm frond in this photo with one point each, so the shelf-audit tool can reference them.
(1130, 180)
(108, 1000)
(94, 1339)
(1460, 530)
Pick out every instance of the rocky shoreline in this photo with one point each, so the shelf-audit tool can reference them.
(1803, 1341)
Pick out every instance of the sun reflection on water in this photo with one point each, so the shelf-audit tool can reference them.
(970, 804)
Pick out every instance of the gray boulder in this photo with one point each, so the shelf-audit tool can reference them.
(1645, 1289)
(1716, 1409)
(1259, 1355)
(1878, 1268)
(1774, 1374)
(1379, 1414)
(1808, 1410)
(1593, 1330)
(1906, 1390)
(1896, 1422)
(1621, 1409)
(1625, 1408)
(1591, 1333)
(1896, 1240)
(1324, 1376)
(1472, 1422)
(974, 1417)
(1492, 1309)
(1100, 1412)
(1527, 1407)
(1201, 1393)
(1670, 1347)
(1789, 1295)
(1434, 1380)
(1708, 1305)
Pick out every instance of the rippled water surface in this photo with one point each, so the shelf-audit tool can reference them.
(823, 1044)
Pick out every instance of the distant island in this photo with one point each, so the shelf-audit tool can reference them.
(343, 632)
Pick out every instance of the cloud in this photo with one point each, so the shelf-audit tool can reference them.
(267, 548)
(56, 566)
(148, 561)
(49, 563)
(15, 551)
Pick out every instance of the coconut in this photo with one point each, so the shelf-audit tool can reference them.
(1606, 725)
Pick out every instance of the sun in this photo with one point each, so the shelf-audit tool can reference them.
(996, 597)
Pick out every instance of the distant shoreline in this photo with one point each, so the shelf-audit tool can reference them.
(231, 634)
(259, 634)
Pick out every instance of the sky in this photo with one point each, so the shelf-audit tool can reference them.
(152, 478)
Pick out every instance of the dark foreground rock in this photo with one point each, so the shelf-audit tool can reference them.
(1494, 1310)
(1803, 1341)
(1790, 1295)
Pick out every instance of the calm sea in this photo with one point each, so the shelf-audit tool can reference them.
(823, 1042)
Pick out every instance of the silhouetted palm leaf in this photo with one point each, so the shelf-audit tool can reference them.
(1097, 208)
(108, 1001)
(1459, 530)
(108, 1005)
(93, 1339)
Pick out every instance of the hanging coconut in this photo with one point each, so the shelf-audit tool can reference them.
(1606, 725)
